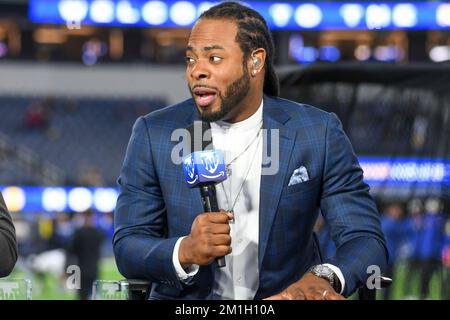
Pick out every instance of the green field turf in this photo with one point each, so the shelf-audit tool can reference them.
(49, 287)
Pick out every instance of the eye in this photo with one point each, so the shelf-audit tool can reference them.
(189, 60)
(215, 59)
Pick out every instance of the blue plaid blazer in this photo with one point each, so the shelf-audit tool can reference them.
(155, 207)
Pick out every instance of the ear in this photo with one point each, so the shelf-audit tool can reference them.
(257, 61)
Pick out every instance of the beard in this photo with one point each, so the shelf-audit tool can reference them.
(234, 94)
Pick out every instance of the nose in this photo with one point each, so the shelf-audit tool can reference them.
(200, 71)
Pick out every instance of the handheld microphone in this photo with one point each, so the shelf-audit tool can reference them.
(203, 169)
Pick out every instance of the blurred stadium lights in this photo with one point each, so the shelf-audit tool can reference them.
(54, 199)
(440, 53)
(422, 173)
(155, 12)
(405, 15)
(363, 52)
(126, 13)
(79, 199)
(378, 16)
(388, 53)
(71, 10)
(329, 53)
(105, 199)
(183, 13)
(405, 170)
(292, 15)
(352, 14)
(281, 13)
(17, 198)
(59, 199)
(443, 15)
(308, 55)
(92, 50)
(301, 53)
(102, 11)
(308, 16)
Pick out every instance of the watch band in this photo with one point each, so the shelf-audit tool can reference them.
(325, 272)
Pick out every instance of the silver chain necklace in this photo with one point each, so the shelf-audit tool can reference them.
(231, 209)
(228, 166)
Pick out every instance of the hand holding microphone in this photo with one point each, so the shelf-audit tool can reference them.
(210, 233)
(209, 239)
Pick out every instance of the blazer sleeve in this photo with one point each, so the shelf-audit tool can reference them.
(8, 244)
(350, 211)
(140, 245)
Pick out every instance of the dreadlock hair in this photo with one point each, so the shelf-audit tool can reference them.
(252, 33)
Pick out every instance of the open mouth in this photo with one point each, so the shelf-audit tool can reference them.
(204, 96)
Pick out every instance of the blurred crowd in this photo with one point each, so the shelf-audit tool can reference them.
(418, 241)
(50, 243)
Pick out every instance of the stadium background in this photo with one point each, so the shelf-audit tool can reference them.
(76, 74)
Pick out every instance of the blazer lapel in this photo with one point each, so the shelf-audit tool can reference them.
(271, 185)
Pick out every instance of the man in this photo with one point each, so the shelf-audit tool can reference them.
(8, 244)
(265, 227)
(85, 247)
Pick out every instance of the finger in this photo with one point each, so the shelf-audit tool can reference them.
(221, 250)
(217, 217)
(221, 240)
(218, 228)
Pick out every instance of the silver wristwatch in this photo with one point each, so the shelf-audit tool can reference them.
(327, 273)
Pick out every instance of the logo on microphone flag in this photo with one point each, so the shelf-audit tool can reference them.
(204, 166)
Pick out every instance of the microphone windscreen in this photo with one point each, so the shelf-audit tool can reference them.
(204, 167)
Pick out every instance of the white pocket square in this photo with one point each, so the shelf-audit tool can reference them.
(300, 175)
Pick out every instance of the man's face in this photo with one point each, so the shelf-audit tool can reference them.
(217, 78)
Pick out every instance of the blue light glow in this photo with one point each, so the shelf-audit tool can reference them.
(59, 199)
(102, 11)
(378, 16)
(426, 174)
(183, 13)
(155, 12)
(127, 13)
(281, 13)
(72, 10)
(405, 170)
(352, 14)
(329, 53)
(443, 15)
(294, 15)
(308, 16)
(404, 15)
